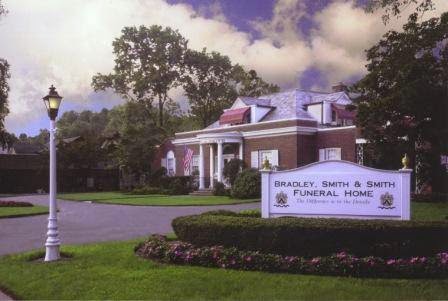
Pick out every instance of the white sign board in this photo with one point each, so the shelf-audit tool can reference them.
(337, 189)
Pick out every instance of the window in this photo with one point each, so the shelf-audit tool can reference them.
(258, 157)
(195, 164)
(170, 164)
(333, 153)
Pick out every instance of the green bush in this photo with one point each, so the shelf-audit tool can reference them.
(146, 190)
(232, 169)
(251, 212)
(177, 186)
(313, 236)
(247, 185)
(219, 189)
(435, 197)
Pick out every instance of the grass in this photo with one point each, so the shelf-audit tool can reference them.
(152, 199)
(112, 271)
(429, 211)
(6, 212)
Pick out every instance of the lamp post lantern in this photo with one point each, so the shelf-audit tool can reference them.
(52, 102)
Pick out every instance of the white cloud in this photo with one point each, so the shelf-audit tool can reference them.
(66, 42)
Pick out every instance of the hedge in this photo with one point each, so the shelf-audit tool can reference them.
(435, 197)
(339, 264)
(313, 236)
(15, 204)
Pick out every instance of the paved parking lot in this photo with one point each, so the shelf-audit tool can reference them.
(81, 222)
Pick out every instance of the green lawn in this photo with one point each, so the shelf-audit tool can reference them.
(112, 271)
(151, 200)
(429, 211)
(22, 211)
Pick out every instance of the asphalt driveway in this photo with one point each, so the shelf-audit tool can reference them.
(82, 222)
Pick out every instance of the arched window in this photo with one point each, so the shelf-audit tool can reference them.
(170, 164)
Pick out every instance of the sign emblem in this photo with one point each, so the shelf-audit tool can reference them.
(387, 201)
(281, 199)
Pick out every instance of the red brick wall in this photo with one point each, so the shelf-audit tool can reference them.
(286, 145)
(306, 149)
(343, 138)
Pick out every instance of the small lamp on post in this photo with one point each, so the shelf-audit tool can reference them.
(52, 102)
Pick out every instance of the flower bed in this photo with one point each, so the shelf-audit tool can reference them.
(15, 204)
(340, 264)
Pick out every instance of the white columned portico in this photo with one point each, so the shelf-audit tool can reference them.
(220, 161)
(219, 139)
(201, 167)
(212, 165)
(240, 150)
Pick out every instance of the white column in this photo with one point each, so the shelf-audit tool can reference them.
(212, 165)
(52, 244)
(201, 167)
(241, 150)
(220, 161)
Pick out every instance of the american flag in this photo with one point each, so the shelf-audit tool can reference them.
(188, 156)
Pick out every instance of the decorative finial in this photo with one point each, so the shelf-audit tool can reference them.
(266, 164)
(405, 161)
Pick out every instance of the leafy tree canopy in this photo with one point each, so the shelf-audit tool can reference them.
(395, 7)
(403, 100)
(148, 63)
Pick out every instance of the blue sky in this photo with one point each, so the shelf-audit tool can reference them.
(294, 43)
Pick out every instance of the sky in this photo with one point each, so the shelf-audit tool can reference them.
(306, 44)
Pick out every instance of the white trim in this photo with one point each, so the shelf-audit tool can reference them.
(361, 141)
(243, 125)
(279, 131)
(337, 128)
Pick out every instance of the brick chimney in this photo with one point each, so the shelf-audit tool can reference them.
(339, 87)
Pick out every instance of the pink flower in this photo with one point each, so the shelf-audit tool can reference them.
(315, 260)
(391, 261)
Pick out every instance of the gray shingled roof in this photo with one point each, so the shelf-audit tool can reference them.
(291, 103)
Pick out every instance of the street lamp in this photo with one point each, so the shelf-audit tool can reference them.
(52, 102)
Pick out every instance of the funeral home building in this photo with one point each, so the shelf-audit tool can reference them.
(289, 129)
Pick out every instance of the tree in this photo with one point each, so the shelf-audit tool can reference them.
(148, 63)
(250, 84)
(5, 137)
(208, 84)
(403, 100)
(395, 7)
(212, 84)
(132, 138)
(80, 136)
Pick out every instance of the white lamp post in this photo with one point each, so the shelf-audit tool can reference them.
(52, 102)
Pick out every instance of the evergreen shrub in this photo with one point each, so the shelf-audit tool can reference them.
(247, 185)
(314, 236)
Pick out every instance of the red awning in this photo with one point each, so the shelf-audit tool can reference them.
(235, 116)
(342, 112)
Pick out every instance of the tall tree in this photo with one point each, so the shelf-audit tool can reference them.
(212, 83)
(132, 138)
(148, 63)
(208, 84)
(4, 91)
(395, 7)
(403, 99)
(250, 84)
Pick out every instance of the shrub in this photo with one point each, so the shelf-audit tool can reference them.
(247, 185)
(313, 236)
(15, 204)
(435, 197)
(176, 185)
(250, 213)
(340, 264)
(146, 190)
(232, 169)
(219, 189)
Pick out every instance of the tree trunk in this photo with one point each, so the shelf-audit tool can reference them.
(160, 112)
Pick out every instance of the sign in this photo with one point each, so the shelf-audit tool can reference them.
(338, 189)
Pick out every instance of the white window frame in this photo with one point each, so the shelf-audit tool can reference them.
(170, 160)
(257, 157)
(194, 163)
(330, 153)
